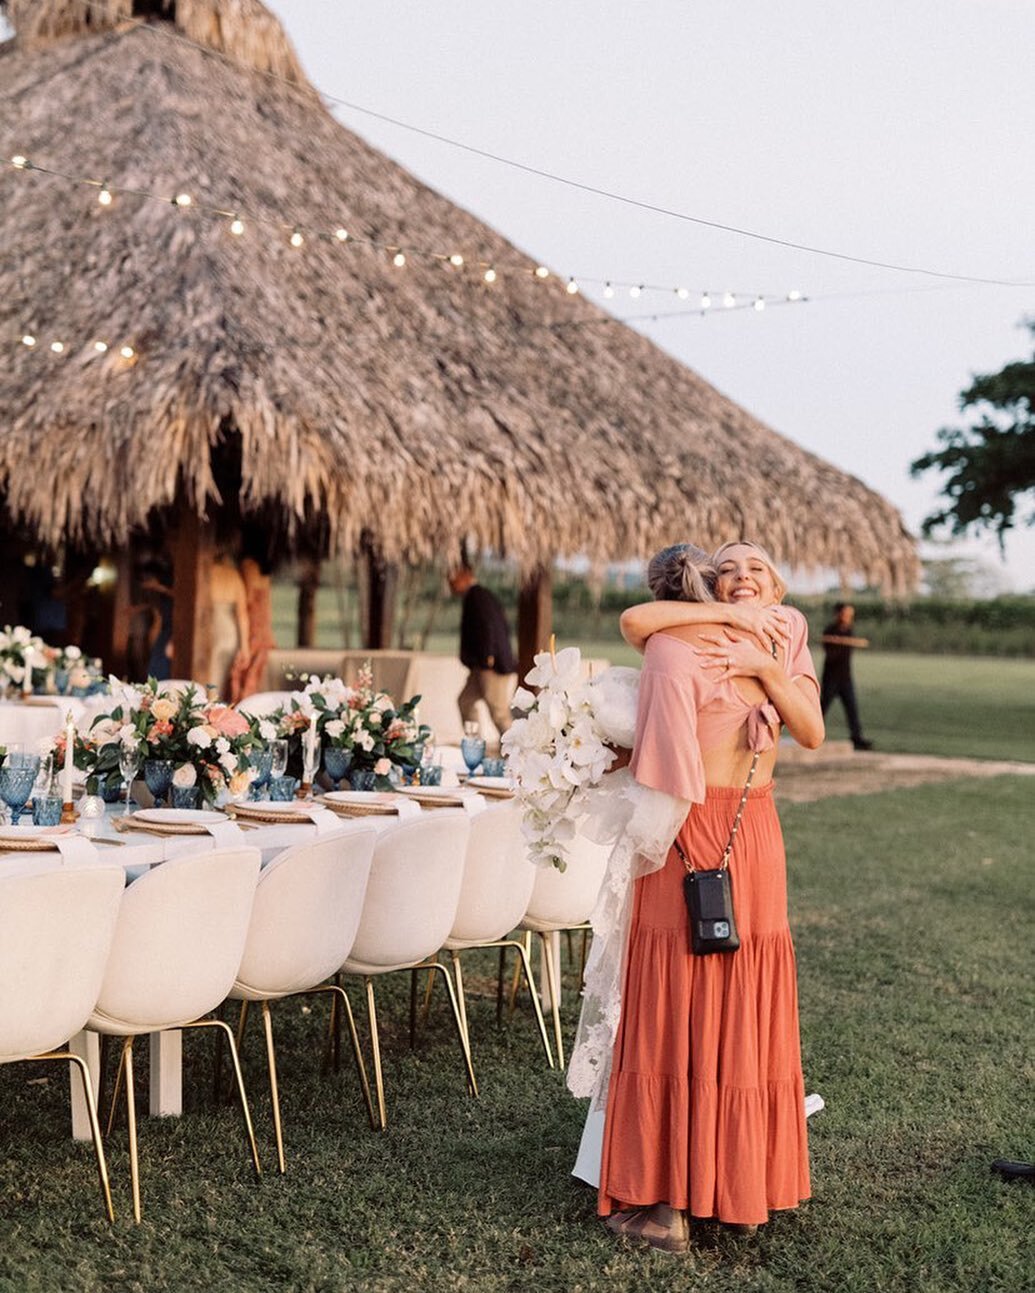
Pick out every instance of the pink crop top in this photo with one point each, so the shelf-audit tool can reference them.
(683, 711)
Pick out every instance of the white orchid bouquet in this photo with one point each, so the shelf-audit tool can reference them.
(559, 751)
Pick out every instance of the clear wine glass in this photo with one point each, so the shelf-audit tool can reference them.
(129, 766)
(279, 759)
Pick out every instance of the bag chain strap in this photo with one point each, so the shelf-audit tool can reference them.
(733, 829)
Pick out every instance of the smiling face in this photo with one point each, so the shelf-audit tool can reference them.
(745, 576)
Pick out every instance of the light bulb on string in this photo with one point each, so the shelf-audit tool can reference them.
(608, 291)
(683, 293)
(635, 291)
(104, 197)
(759, 303)
(456, 259)
(58, 347)
(296, 239)
(706, 301)
(794, 296)
(729, 300)
(490, 275)
(19, 162)
(237, 226)
(342, 234)
(571, 287)
(398, 260)
(100, 346)
(183, 200)
(542, 272)
(28, 340)
(127, 352)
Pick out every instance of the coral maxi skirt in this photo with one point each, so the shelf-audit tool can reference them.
(706, 1104)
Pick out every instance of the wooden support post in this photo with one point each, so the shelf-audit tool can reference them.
(382, 581)
(117, 657)
(192, 599)
(535, 617)
(308, 584)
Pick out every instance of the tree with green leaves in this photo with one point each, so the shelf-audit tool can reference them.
(991, 464)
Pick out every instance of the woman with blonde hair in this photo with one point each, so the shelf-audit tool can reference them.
(705, 1100)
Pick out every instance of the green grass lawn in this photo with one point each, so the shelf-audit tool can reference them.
(912, 915)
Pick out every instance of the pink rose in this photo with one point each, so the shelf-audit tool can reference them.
(382, 767)
(227, 722)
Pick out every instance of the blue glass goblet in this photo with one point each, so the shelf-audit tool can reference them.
(473, 750)
(363, 779)
(336, 763)
(158, 775)
(16, 787)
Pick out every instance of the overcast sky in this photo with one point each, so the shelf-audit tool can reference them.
(891, 131)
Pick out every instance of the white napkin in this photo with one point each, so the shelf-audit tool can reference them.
(226, 834)
(473, 804)
(75, 849)
(406, 808)
(322, 818)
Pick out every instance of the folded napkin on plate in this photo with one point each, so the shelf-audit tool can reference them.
(226, 834)
(75, 849)
(473, 804)
(406, 808)
(322, 818)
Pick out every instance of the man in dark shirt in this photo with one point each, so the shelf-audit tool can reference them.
(839, 644)
(485, 649)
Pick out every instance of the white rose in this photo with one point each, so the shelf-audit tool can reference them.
(199, 737)
(267, 730)
(365, 741)
(185, 775)
(73, 653)
(374, 719)
(335, 727)
(382, 767)
(222, 745)
(384, 702)
(228, 761)
(127, 735)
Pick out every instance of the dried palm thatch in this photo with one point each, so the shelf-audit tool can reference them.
(419, 404)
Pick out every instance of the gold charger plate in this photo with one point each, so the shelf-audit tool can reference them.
(33, 844)
(433, 796)
(157, 828)
(360, 803)
(268, 814)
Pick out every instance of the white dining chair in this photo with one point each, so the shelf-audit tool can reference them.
(410, 905)
(178, 944)
(563, 900)
(56, 928)
(262, 703)
(494, 896)
(304, 920)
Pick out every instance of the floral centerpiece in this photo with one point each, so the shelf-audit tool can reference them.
(361, 721)
(559, 751)
(20, 652)
(210, 745)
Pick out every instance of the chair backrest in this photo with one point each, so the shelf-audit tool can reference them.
(265, 702)
(307, 908)
(498, 876)
(566, 898)
(179, 940)
(413, 890)
(56, 927)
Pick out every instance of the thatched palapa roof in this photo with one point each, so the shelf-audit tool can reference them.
(419, 404)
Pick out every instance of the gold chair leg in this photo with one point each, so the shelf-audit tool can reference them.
(242, 1020)
(271, 1065)
(551, 983)
(426, 1008)
(338, 993)
(116, 1092)
(472, 1084)
(375, 1046)
(460, 997)
(413, 1009)
(515, 979)
(95, 1127)
(131, 1118)
(228, 1033)
(526, 966)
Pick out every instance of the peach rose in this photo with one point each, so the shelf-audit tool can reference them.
(226, 721)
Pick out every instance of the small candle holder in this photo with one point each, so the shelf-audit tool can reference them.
(68, 813)
(305, 790)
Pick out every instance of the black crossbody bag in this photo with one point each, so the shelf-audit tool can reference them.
(709, 894)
